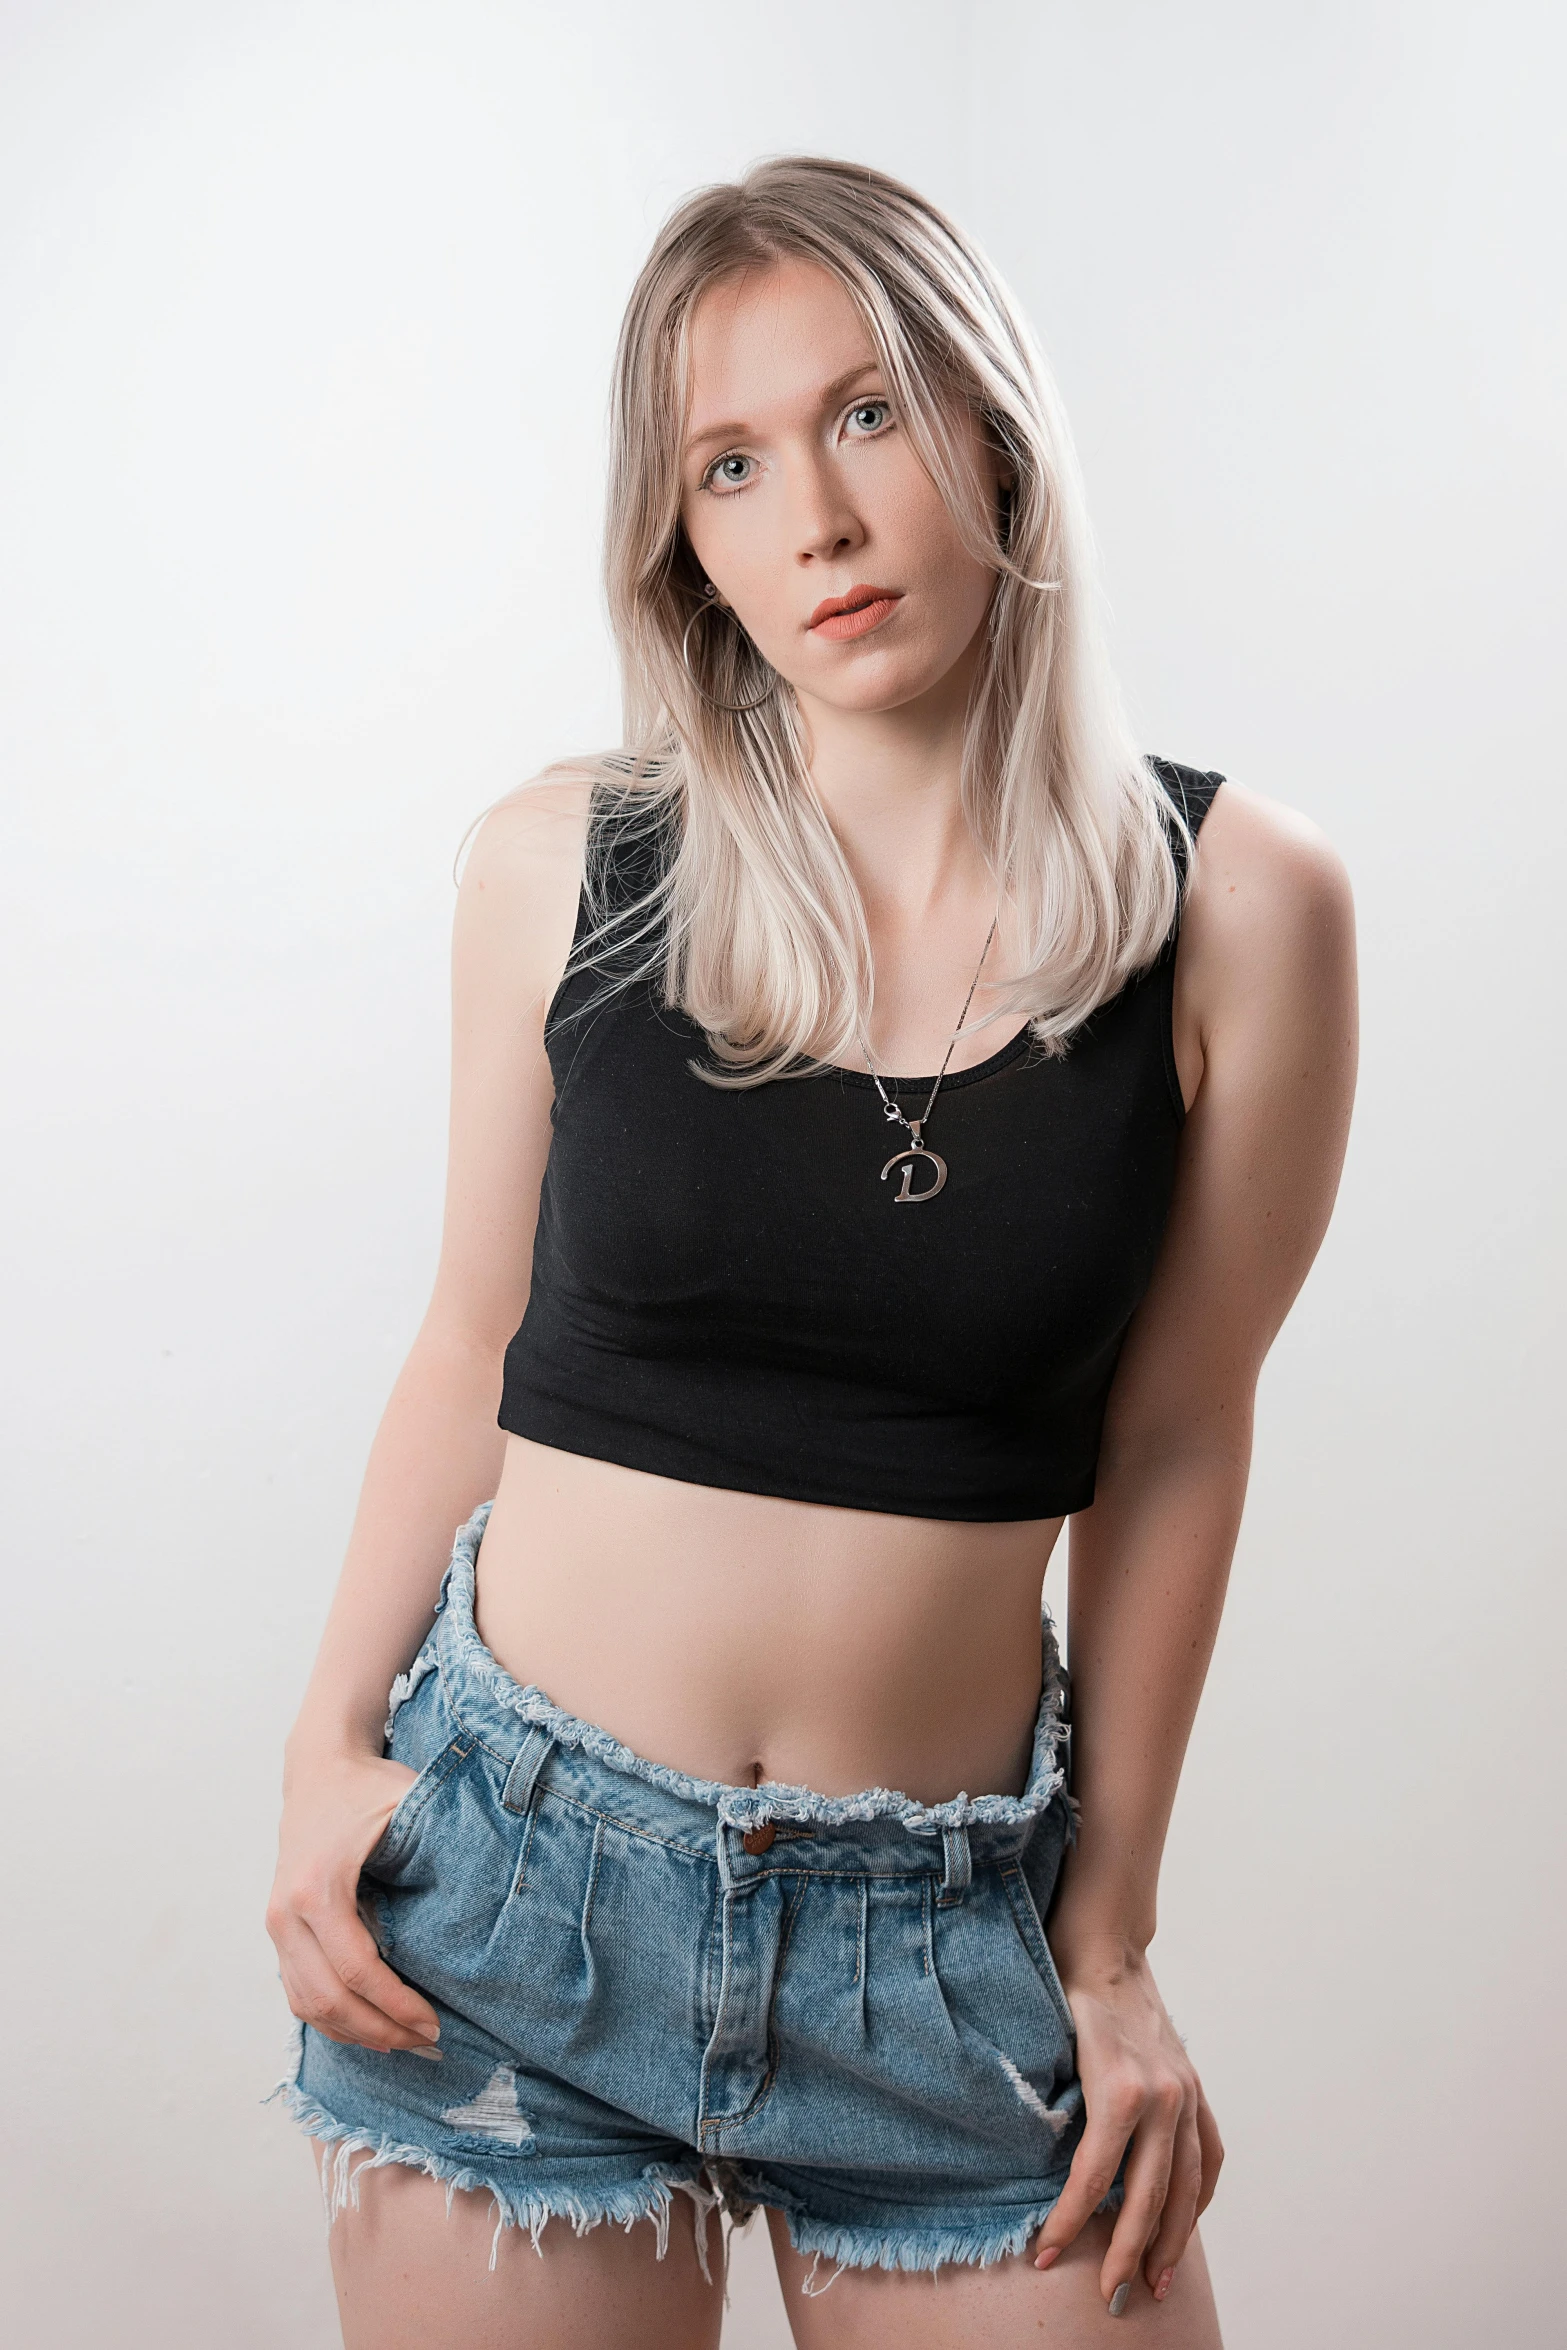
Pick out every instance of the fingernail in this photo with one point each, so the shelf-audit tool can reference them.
(1049, 2257)
(425, 2055)
(1119, 2299)
(428, 2031)
(1166, 2277)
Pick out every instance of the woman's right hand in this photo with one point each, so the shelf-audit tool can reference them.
(335, 1810)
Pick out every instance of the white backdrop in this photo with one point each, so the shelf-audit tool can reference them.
(306, 316)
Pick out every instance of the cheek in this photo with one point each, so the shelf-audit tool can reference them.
(741, 556)
(953, 593)
(931, 555)
(934, 547)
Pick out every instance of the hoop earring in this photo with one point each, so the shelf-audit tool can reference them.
(731, 709)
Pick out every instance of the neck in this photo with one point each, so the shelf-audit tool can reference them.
(891, 782)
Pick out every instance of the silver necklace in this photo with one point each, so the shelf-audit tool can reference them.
(918, 1152)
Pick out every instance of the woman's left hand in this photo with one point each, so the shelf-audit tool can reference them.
(1139, 2086)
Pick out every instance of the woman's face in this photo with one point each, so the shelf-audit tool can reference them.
(803, 494)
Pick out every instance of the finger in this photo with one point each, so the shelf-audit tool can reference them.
(319, 1996)
(1147, 2183)
(1180, 2207)
(350, 1951)
(1212, 2152)
(1088, 2182)
(425, 2054)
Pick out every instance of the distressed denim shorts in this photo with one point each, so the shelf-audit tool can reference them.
(649, 1985)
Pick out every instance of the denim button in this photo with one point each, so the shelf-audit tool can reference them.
(759, 1839)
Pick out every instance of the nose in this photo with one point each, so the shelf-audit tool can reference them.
(824, 522)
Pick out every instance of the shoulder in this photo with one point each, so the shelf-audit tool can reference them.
(1269, 904)
(530, 844)
(520, 880)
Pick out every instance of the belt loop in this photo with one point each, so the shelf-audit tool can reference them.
(523, 1776)
(957, 1867)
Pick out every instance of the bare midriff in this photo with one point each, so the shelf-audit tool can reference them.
(740, 1637)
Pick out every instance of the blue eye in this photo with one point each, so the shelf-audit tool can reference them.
(870, 416)
(728, 473)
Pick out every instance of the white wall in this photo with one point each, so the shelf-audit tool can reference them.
(306, 320)
(1301, 273)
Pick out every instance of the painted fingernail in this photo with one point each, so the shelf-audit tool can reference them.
(1166, 2278)
(1119, 2299)
(425, 2055)
(1048, 2258)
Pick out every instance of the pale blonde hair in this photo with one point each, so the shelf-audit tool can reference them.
(754, 923)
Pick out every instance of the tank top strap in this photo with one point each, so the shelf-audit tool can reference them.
(1190, 789)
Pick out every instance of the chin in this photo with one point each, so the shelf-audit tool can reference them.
(879, 685)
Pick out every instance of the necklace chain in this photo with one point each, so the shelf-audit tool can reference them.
(890, 1110)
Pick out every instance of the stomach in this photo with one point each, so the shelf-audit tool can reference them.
(742, 1637)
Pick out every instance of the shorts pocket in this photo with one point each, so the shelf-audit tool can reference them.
(426, 1737)
(1031, 1933)
(397, 1837)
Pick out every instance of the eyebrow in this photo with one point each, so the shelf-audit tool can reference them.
(714, 433)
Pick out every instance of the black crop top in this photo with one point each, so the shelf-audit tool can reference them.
(724, 1291)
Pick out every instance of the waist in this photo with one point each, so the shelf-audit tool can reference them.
(742, 1638)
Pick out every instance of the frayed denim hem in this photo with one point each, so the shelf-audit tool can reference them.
(925, 2254)
(651, 2197)
(740, 1807)
(898, 2251)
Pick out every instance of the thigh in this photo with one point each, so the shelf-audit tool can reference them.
(1009, 2303)
(411, 2276)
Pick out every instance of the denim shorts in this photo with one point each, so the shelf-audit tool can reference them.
(651, 1985)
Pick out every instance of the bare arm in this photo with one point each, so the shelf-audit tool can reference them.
(1267, 981)
(437, 1452)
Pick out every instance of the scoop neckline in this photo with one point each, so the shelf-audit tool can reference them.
(1012, 1050)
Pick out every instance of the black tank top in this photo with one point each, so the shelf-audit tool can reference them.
(725, 1292)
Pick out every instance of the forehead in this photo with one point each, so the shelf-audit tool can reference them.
(769, 340)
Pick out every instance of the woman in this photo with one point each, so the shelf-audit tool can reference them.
(724, 1803)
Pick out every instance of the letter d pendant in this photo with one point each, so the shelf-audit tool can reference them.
(910, 1160)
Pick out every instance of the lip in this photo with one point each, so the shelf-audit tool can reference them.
(855, 614)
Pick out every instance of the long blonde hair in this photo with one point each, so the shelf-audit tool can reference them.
(753, 922)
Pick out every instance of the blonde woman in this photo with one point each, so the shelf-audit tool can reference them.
(717, 1849)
